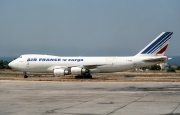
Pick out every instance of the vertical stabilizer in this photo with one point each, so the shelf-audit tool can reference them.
(158, 46)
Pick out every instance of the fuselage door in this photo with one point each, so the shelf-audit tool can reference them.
(27, 65)
(21, 62)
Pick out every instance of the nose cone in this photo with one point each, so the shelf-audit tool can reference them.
(13, 65)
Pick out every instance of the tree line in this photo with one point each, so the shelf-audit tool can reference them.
(4, 64)
(157, 67)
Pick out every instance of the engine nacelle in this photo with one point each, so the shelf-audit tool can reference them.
(60, 72)
(78, 71)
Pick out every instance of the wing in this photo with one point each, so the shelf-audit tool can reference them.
(89, 66)
(68, 67)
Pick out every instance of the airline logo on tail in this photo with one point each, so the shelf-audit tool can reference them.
(158, 46)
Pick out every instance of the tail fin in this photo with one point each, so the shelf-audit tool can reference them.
(158, 46)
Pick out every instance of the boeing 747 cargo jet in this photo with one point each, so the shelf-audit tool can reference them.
(152, 54)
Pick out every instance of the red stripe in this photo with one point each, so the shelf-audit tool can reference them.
(163, 49)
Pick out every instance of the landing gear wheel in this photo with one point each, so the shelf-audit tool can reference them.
(87, 76)
(79, 76)
(25, 75)
(90, 76)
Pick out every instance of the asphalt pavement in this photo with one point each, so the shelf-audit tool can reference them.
(89, 98)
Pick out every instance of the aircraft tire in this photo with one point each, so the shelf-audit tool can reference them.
(25, 76)
(88, 77)
(79, 76)
(83, 77)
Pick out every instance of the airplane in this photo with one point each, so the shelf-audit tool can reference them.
(83, 67)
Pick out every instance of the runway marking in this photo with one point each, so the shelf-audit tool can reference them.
(31, 103)
(174, 109)
(54, 110)
(127, 104)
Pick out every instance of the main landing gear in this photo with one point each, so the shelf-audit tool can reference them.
(88, 76)
(25, 75)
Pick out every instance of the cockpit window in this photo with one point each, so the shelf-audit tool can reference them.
(20, 57)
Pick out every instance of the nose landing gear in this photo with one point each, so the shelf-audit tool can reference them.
(25, 75)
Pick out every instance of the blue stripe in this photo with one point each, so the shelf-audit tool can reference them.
(164, 36)
(159, 43)
(153, 44)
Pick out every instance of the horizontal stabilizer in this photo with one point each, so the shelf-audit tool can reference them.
(158, 60)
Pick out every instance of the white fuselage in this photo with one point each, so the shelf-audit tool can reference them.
(47, 63)
(153, 53)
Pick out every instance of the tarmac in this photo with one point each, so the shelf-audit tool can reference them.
(89, 98)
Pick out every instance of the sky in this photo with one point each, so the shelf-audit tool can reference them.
(86, 27)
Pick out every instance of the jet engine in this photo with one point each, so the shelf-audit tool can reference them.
(60, 72)
(78, 71)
